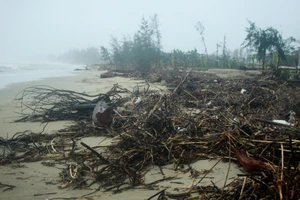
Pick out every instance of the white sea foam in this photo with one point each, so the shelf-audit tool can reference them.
(25, 72)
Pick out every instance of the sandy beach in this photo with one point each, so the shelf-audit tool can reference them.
(36, 181)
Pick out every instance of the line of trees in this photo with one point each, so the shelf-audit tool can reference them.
(90, 55)
(144, 51)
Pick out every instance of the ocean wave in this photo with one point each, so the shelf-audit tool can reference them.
(7, 67)
(23, 72)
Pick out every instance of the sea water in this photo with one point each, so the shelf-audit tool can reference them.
(17, 72)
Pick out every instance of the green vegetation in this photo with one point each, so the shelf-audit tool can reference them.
(89, 55)
(144, 51)
(268, 41)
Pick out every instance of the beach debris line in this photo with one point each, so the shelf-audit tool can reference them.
(197, 119)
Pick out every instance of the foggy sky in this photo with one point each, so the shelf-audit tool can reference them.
(33, 28)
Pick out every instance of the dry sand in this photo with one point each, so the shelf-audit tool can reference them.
(36, 181)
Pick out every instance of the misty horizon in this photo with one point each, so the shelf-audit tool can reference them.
(35, 29)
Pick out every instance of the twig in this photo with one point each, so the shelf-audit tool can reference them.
(181, 82)
(292, 150)
(42, 194)
(228, 169)
(95, 152)
(8, 187)
(243, 187)
(208, 171)
(158, 193)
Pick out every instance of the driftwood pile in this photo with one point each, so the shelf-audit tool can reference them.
(200, 117)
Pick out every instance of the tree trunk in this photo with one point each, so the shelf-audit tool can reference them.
(264, 60)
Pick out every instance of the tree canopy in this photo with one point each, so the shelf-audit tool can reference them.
(143, 51)
(88, 55)
(267, 41)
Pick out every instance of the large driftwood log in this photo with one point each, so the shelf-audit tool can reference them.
(86, 106)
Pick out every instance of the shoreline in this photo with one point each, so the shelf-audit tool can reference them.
(11, 73)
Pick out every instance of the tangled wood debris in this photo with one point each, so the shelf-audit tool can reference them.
(200, 117)
(44, 103)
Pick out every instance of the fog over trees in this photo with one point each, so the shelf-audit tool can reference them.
(143, 50)
(197, 33)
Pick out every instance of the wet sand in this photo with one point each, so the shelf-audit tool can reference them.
(37, 181)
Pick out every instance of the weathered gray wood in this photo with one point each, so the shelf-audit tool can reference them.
(90, 106)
